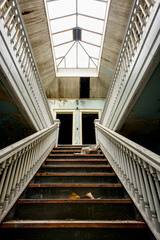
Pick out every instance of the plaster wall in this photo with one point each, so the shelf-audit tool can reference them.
(76, 107)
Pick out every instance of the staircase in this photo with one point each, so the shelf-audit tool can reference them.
(45, 211)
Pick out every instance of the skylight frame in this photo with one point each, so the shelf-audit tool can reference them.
(76, 71)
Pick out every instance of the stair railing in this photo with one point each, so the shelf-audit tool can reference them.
(20, 161)
(137, 60)
(18, 65)
(139, 171)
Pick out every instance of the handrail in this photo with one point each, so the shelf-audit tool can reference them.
(20, 161)
(139, 47)
(24, 75)
(139, 171)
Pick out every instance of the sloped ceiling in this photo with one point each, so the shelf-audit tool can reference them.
(34, 15)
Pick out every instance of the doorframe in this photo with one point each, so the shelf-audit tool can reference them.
(64, 111)
(93, 111)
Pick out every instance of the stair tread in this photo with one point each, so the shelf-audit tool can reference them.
(76, 166)
(75, 160)
(73, 155)
(115, 201)
(74, 185)
(75, 174)
(72, 224)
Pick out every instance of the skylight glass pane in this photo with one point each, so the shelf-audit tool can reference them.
(76, 28)
(62, 37)
(71, 58)
(62, 50)
(63, 24)
(61, 7)
(90, 24)
(91, 50)
(91, 37)
(62, 65)
(92, 8)
(82, 58)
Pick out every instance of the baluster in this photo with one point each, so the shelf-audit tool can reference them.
(135, 176)
(135, 35)
(145, 13)
(22, 53)
(24, 59)
(2, 166)
(14, 189)
(155, 197)
(131, 173)
(19, 49)
(22, 180)
(14, 36)
(16, 44)
(14, 164)
(6, 12)
(6, 182)
(2, 182)
(132, 41)
(138, 29)
(19, 179)
(140, 20)
(156, 176)
(148, 191)
(127, 172)
(12, 28)
(125, 167)
(149, 3)
(130, 47)
(7, 24)
(2, 3)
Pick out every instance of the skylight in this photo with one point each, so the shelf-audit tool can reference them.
(77, 32)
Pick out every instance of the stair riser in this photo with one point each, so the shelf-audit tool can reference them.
(65, 192)
(76, 234)
(76, 211)
(74, 179)
(75, 170)
(72, 156)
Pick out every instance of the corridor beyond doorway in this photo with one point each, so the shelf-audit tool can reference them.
(65, 132)
(88, 131)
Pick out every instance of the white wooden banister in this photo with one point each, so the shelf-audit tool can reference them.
(139, 171)
(137, 60)
(17, 63)
(20, 161)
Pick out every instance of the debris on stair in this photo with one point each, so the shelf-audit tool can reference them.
(86, 196)
(93, 149)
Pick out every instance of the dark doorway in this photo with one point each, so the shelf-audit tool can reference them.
(65, 132)
(88, 131)
(84, 87)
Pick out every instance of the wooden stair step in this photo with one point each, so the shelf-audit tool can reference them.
(105, 201)
(108, 185)
(72, 224)
(75, 160)
(73, 155)
(76, 166)
(69, 151)
(76, 174)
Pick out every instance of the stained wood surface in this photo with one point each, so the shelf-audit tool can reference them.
(72, 224)
(85, 185)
